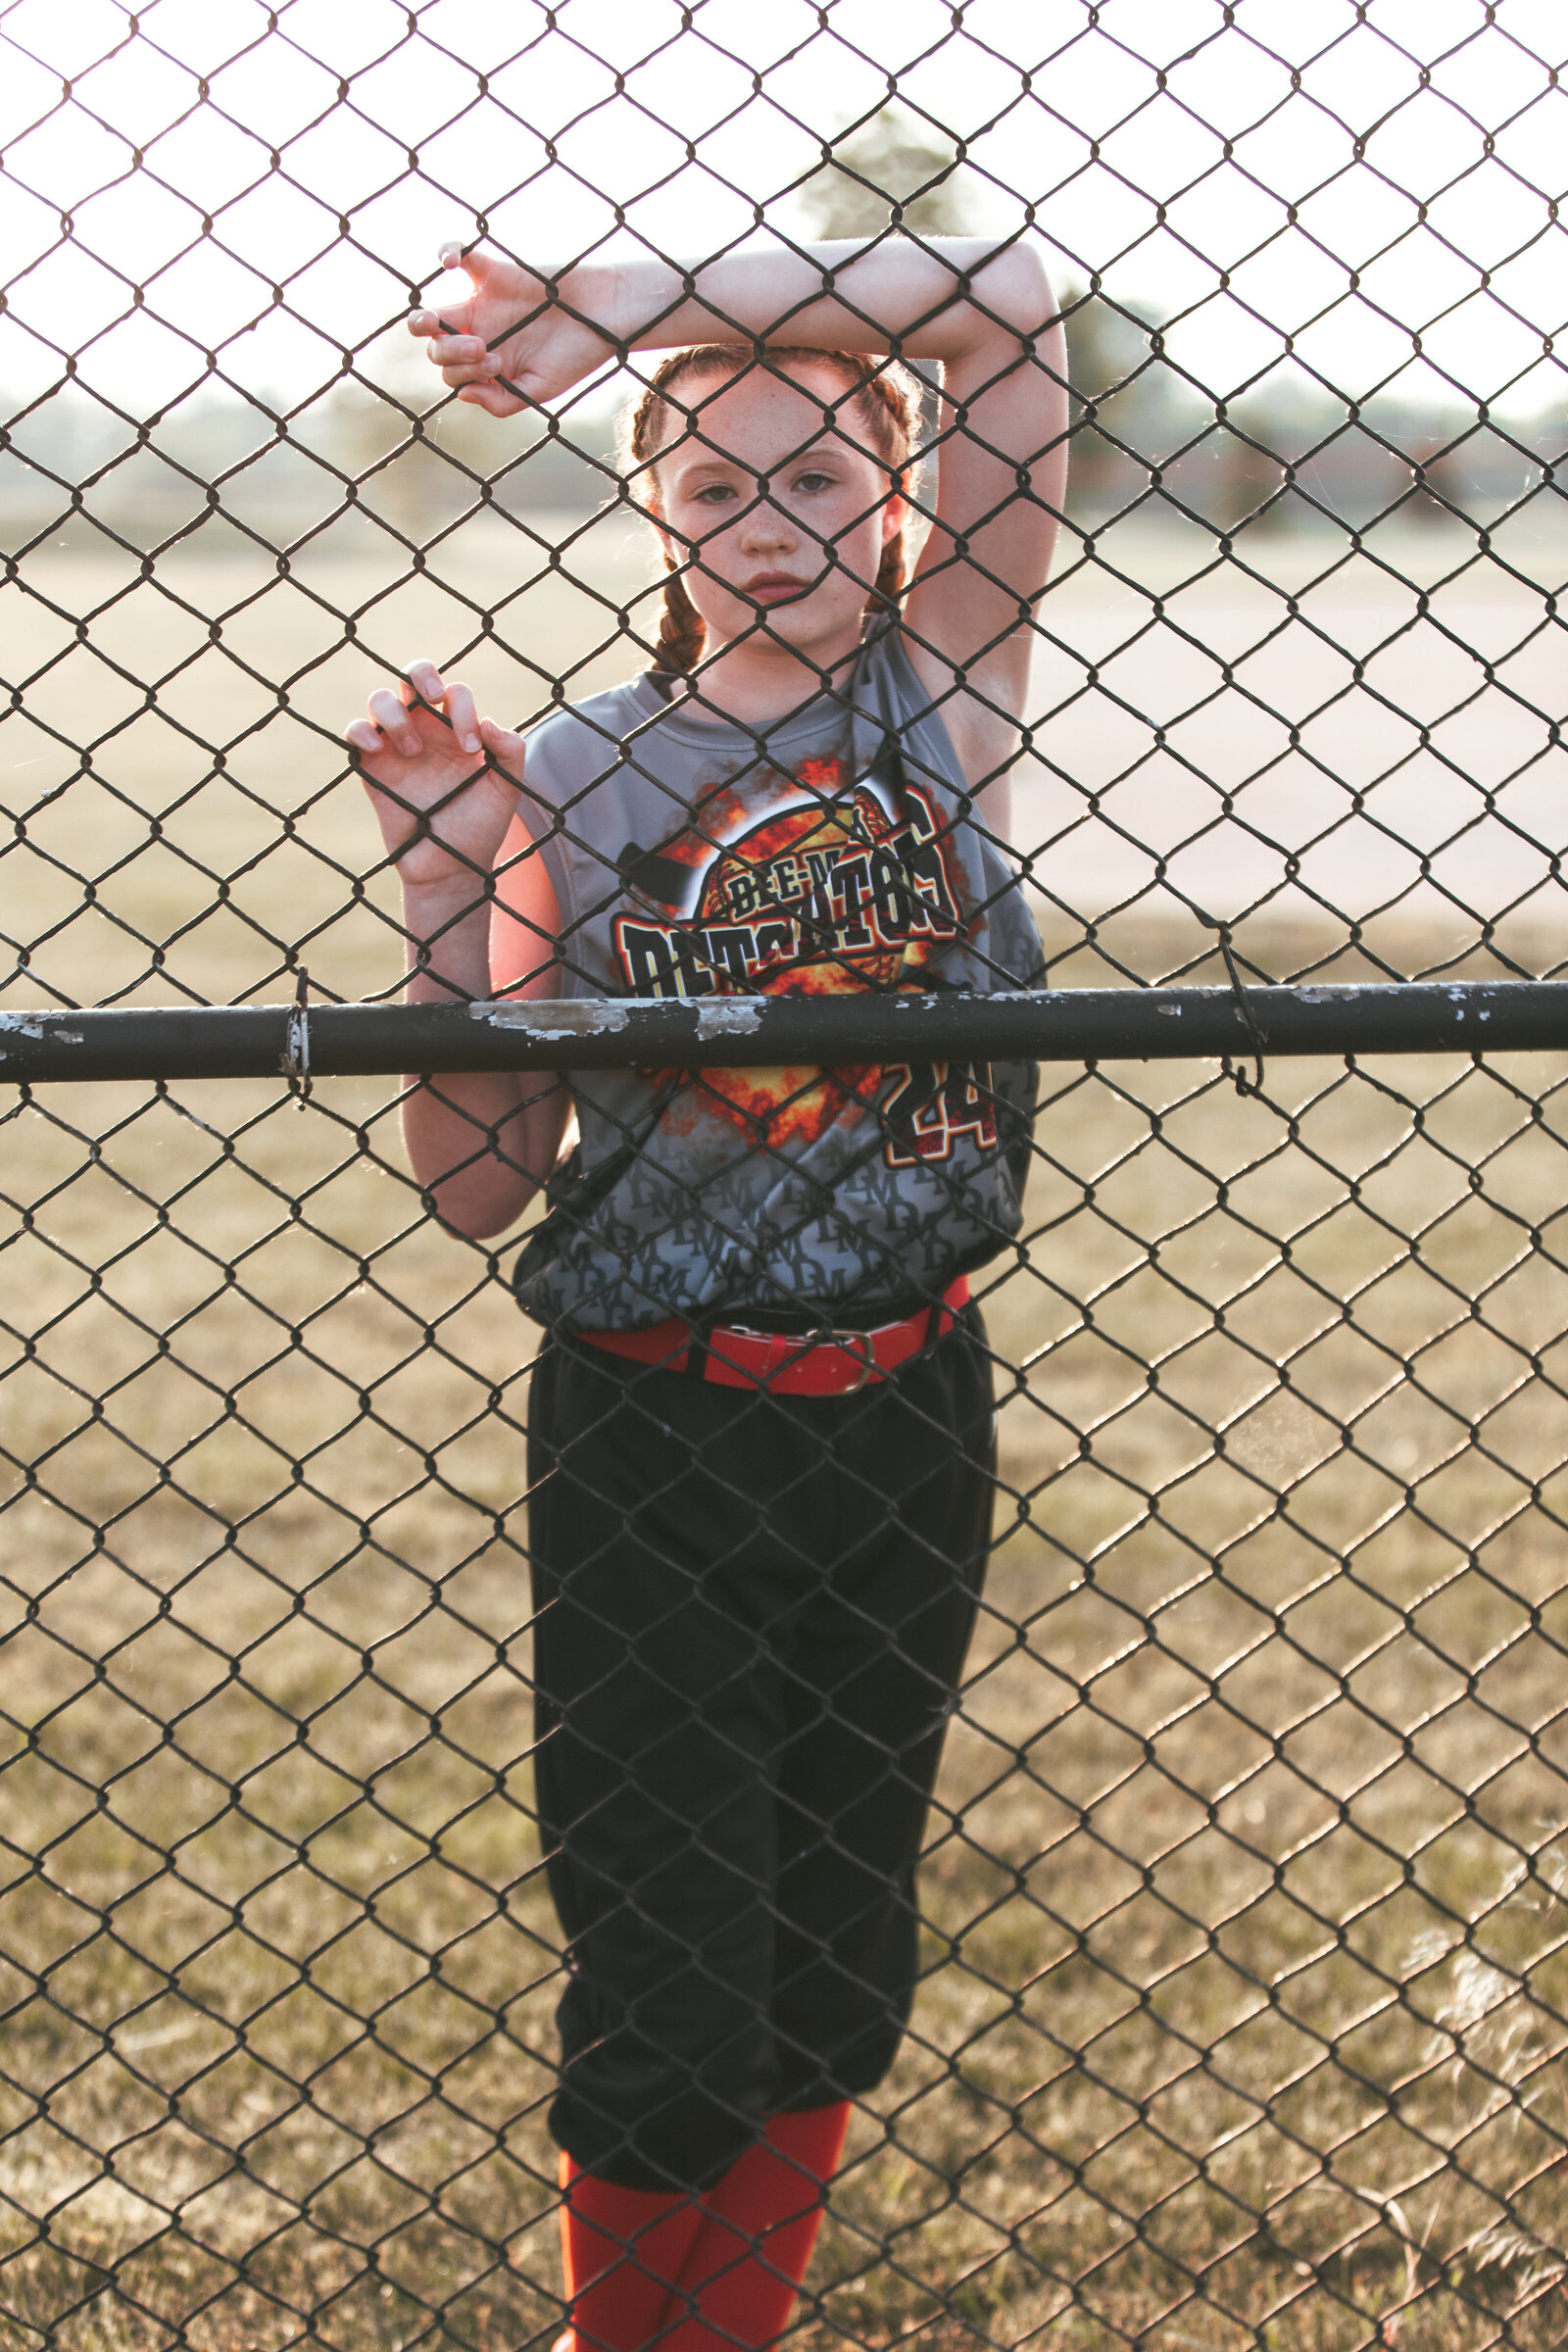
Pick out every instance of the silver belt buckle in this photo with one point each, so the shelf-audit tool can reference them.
(861, 1345)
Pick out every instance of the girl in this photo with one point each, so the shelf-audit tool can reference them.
(760, 1426)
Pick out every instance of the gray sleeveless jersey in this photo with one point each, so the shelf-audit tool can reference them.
(826, 852)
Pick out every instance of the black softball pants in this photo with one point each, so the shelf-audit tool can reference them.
(752, 1612)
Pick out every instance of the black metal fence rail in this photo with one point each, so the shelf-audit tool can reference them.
(1154, 1025)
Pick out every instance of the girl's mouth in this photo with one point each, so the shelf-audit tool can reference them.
(774, 588)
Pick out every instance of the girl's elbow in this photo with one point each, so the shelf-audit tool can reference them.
(477, 1212)
(1014, 294)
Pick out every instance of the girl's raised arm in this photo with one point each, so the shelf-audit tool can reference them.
(986, 313)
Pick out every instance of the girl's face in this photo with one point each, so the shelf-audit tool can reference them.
(782, 517)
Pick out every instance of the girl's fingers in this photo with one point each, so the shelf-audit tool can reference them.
(478, 263)
(505, 748)
(364, 736)
(450, 347)
(451, 319)
(487, 395)
(422, 680)
(392, 718)
(461, 717)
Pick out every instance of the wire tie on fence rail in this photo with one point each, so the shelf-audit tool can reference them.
(297, 1044)
(1244, 1005)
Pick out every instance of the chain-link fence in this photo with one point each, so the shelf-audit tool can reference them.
(1241, 2003)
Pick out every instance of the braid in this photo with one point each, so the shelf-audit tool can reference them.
(682, 630)
(890, 582)
(888, 398)
(893, 392)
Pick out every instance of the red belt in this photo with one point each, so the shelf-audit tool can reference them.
(835, 1366)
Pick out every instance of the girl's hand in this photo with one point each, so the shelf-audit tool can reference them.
(443, 782)
(538, 345)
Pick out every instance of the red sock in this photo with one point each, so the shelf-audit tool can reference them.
(622, 2250)
(759, 2225)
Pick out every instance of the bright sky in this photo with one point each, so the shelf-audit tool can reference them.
(274, 138)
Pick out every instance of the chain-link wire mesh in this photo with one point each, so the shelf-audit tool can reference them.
(1240, 2015)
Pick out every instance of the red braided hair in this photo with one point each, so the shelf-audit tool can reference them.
(885, 396)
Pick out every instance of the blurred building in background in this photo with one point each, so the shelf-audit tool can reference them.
(1151, 444)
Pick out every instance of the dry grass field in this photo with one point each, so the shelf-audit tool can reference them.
(1248, 1891)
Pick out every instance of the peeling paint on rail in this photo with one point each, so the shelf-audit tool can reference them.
(39, 1025)
(558, 1020)
(555, 1018)
(734, 1017)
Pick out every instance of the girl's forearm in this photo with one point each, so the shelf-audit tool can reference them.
(480, 1141)
(939, 302)
(447, 927)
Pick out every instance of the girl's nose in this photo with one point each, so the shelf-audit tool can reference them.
(767, 525)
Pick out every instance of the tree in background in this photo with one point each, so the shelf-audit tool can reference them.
(893, 162)
(895, 170)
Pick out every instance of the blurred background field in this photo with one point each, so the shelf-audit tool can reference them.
(1244, 2020)
(1348, 755)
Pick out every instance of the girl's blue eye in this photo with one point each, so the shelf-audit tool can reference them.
(713, 493)
(814, 482)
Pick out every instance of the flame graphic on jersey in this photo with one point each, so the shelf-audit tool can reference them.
(824, 893)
